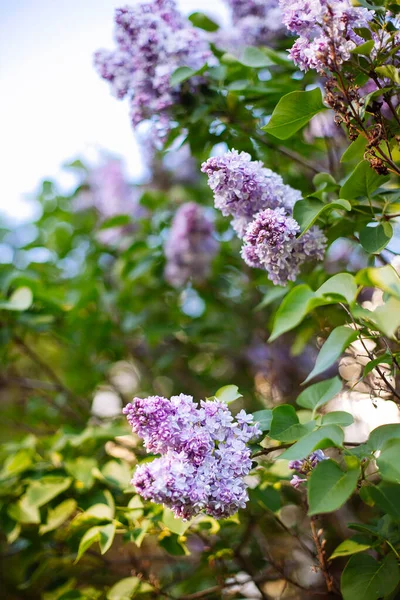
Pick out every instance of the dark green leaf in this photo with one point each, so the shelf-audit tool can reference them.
(329, 487)
(366, 579)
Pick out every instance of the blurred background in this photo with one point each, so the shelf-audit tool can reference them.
(54, 106)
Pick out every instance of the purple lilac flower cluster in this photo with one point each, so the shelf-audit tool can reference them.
(190, 247)
(255, 23)
(153, 40)
(326, 29)
(261, 206)
(305, 466)
(204, 451)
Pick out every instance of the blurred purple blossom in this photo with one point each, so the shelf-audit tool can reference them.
(190, 247)
(326, 29)
(153, 40)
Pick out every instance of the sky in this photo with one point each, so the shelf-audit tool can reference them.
(53, 106)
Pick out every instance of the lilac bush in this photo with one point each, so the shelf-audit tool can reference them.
(190, 247)
(204, 450)
(153, 39)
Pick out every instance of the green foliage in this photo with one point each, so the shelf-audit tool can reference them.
(93, 318)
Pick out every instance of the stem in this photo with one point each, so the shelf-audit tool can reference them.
(321, 554)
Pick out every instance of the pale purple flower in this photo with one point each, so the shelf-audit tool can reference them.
(254, 23)
(261, 205)
(326, 30)
(153, 40)
(190, 247)
(270, 243)
(242, 187)
(205, 455)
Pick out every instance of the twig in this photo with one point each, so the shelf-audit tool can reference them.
(321, 554)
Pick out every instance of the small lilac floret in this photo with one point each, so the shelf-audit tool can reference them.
(305, 466)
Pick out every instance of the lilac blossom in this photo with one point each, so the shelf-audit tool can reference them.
(153, 40)
(254, 23)
(270, 243)
(326, 29)
(205, 455)
(261, 206)
(190, 247)
(305, 466)
(242, 187)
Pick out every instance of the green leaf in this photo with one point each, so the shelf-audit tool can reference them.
(263, 418)
(338, 417)
(329, 487)
(106, 537)
(23, 512)
(320, 393)
(117, 473)
(375, 239)
(255, 58)
(308, 211)
(389, 71)
(356, 150)
(173, 545)
(174, 524)
(386, 496)
(116, 221)
(58, 515)
(292, 311)
(341, 284)
(17, 463)
(19, 300)
(42, 491)
(91, 536)
(379, 436)
(385, 278)
(388, 461)
(366, 579)
(128, 588)
(364, 49)
(228, 393)
(82, 470)
(285, 425)
(201, 21)
(362, 182)
(354, 545)
(370, 366)
(323, 437)
(338, 340)
(386, 318)
(293, 111)
(182, 74)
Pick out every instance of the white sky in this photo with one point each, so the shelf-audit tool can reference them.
(53, 105)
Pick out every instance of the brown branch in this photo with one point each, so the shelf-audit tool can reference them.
(49, 371)
(321, 554)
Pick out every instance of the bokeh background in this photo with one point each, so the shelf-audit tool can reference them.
(53, 106)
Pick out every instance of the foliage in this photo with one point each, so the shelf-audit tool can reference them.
(89, 320)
